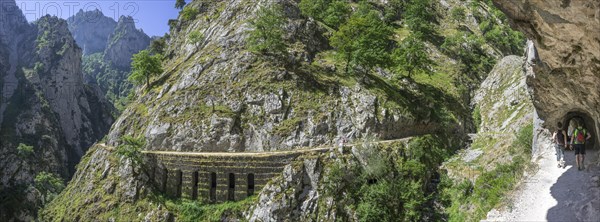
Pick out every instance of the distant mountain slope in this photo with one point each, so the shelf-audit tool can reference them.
(48, 115)
(91, 30)
(108, 47)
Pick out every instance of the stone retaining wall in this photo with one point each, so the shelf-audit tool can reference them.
(188, 175)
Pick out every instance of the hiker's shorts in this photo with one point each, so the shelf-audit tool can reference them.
(560, 151)
(579, 148)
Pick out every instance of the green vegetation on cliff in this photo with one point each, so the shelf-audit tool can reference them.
(388, 182)
(338, 77)
(110, 79)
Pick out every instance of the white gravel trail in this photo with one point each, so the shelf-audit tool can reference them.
(556, 194)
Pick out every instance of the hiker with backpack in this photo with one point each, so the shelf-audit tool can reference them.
(580, 136)
(559, 137)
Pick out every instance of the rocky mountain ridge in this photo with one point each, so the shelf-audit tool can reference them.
(48, 117)
(108, 46)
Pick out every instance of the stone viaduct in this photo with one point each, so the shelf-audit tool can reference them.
(217, 177)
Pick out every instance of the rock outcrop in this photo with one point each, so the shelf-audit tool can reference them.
(566, 71)
(91, 30)
(44, 105)
(107, 47)
(125, 41)
(83, 116)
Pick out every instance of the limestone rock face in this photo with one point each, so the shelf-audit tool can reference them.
(565, 71)
(218, 96)
(45, 105)
(81, 114)
(91, 30)
(125, 41)
(107, 49)
(294, 195)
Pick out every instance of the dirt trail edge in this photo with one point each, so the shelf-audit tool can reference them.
(555, 194)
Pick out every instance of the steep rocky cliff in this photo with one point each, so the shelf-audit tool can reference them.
(565, 73)
(108, 47)
(217, 95)
(48, 117)
(125, 41)
(91, 30)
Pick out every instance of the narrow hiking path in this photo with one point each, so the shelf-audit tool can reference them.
(555, 194)
(265, 153)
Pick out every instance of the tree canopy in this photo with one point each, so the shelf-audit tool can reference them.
(420, 17)
(267, 35)
(364, 40)
(179, 4)
(144, 66)
(411, 57)
(331, 12)
(195, 38)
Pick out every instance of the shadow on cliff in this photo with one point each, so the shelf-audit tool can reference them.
(572, 191)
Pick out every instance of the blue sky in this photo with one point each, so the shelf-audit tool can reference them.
(151, 15)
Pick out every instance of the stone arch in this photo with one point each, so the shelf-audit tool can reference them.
(195, 185)
(179, 178)
(165, 177)
(231, 190)
(213, 187)
(588, 123)
(250, 184)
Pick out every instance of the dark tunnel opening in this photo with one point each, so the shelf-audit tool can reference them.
(569, 122)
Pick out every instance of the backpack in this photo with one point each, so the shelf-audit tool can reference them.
(560, 138)
(580, 135)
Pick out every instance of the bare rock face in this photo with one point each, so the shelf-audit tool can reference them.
(44, 105)
(125, 41)
(83, 117)
(565, 71)
(91, 30)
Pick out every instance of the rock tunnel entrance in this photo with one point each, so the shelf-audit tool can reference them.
(570, 123)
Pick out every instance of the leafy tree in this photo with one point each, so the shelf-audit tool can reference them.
(158, 46)
(411, 57)
(420, 17)
(267, 34)
(458, 13)
(393, 10)
(331, 12)
(337, 13)
(468, 48)
(131, 148)
(144, 66)
(24, 150)
(502, 37)
(49, 185)
(189, 13)
(364, 40)
(195, 38)
(179, 4)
